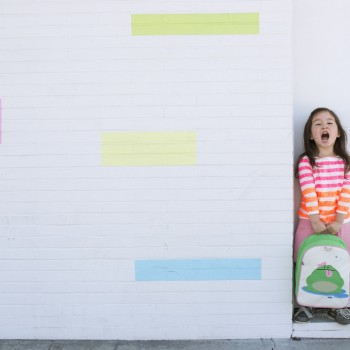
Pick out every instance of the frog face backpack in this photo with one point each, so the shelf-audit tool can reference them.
(322, 272)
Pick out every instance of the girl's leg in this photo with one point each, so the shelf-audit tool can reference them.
(344, 234)
(304, 229)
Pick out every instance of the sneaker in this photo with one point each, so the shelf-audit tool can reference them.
(342, 316)
(303, 315)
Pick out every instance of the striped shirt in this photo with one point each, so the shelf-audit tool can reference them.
(324, 189)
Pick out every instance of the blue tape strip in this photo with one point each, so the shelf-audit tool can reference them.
(198, 270)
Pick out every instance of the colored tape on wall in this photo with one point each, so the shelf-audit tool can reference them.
(198, 270)
(148, 148)
(195, 24)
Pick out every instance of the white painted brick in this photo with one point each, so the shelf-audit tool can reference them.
(70, 229)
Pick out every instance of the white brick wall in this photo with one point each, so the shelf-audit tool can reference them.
(70, 229)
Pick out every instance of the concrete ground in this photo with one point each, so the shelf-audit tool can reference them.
(247, 344)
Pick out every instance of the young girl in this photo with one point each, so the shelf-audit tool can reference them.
(324, 175)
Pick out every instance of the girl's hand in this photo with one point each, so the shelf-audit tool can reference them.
(320, 227)
(333, 227)
(317, 224)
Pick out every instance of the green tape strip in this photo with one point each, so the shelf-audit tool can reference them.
(195, 24)
(148, 148)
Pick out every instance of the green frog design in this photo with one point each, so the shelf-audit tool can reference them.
(325, 279)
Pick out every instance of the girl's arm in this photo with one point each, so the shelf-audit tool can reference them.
(344, 197)
(342, 208)
(307, 186)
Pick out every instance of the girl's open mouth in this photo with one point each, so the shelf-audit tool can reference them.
(325, 136)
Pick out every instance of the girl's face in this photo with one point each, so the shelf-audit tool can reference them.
(324, 131)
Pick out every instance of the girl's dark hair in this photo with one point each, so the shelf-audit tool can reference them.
(310, 146)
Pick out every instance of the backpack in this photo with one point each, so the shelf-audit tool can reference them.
(322, 272)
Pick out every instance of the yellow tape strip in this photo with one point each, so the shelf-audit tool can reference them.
(148, 148)
(195, 24)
